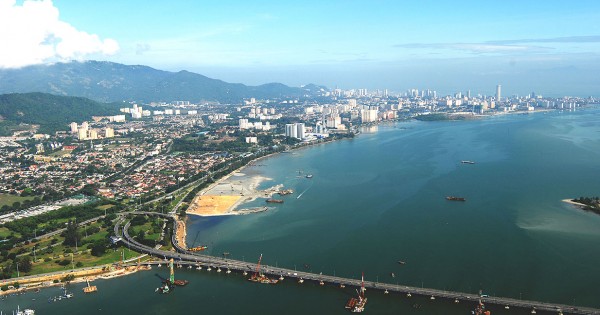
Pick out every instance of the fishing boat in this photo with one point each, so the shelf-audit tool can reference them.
(357, 304)
(260, 277)
(467, 162)
(309, 176)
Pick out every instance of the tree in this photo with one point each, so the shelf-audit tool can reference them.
(72, 235)
(25, 264)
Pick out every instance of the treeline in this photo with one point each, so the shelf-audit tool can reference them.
(591, 203)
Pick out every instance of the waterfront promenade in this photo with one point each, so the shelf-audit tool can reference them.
(184, 257)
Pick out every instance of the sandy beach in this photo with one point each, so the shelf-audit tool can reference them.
(224, 196)
(569, 201)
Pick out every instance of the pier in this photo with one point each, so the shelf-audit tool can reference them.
(186, 258)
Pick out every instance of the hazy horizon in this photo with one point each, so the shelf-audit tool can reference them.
(550, 48)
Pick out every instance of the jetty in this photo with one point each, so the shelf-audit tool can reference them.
(184, 257)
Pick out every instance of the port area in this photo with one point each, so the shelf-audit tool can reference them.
(225, 196)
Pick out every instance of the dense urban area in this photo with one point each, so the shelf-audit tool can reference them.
(156, 156)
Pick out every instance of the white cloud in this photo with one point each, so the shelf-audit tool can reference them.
(32, 33)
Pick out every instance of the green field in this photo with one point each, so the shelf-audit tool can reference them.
(7, 199)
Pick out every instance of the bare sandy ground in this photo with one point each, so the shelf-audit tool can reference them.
(224, 196)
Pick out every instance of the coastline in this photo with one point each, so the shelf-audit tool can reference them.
(571, 202)
(36, 282)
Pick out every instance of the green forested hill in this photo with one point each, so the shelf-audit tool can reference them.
(51, 112)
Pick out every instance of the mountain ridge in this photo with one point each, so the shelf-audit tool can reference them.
(105, 81)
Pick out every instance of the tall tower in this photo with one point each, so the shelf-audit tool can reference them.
(498, 92)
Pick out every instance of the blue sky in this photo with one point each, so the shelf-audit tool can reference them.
(551, 47)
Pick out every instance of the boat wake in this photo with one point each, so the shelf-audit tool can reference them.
(302, 193)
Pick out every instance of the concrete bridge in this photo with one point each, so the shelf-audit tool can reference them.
(186, 258)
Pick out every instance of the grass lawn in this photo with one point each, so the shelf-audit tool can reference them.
(8, 199)
(5, 232)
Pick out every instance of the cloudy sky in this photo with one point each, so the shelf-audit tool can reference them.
(550, 47)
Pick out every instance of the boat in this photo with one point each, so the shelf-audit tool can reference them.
(386, 291)
(357, 304)
(467, 162)
(260, 277)
(165, 288)
(401, 262)
(301, 281)
(284, 192)
(271, 200)
(89, 288)
(172, 280)
(480, 309)
(309, 176)
(180, 283)
(26, 311)
(321, 283)
(453, 198)
(393, 275)
(198, 248)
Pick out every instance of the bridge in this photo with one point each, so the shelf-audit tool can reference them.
(184, 257)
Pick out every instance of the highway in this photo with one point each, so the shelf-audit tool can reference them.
(184, 257)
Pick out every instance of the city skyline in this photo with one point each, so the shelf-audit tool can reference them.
(448, 47)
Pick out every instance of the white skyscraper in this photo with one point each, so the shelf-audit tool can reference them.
(290, 130)
(73, 127)
(498, 92)
(300, 131)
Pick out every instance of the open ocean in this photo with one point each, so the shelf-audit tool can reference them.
(380, 198)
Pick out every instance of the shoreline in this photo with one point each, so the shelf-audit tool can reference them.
(571, 202)
(43, 281)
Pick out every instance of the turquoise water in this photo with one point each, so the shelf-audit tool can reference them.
(379, 198)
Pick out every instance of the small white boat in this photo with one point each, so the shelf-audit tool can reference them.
(456, 301)
(218, 269)
(281, 278)
(245, 273)
(507, 307)
(386, 291)
(208, 269)
(199, 268)
(408, 294)
(228, 271)
(432, 297)
(301, 280)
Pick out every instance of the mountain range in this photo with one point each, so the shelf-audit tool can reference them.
(104, 81)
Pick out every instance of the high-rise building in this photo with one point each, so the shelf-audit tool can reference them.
(109, 132)
(73, 127)
(243, 123)
(300, 131)
(290, 130)
(85, 125)
(498, 92)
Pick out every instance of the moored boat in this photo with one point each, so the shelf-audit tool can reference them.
(454, 198)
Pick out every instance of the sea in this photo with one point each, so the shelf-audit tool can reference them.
(379, 198)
